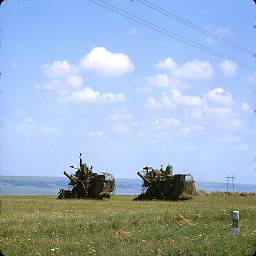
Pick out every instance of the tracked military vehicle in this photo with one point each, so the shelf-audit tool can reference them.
(87, 184)
(164, 185)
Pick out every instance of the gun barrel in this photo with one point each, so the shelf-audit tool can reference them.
(144, 179)
(70, 177)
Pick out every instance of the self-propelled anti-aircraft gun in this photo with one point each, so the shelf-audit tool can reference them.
(87, 184)
(163, 185)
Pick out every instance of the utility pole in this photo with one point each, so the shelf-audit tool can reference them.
(230, 178)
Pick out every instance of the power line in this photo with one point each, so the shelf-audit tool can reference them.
(196, 27)
(169, 33)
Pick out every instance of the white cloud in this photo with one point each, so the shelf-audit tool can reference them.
(217, 112)
(71, 89)
(120, 115)
(220, 96)
(167, 64)
(213, 110)
(246, 107)
(160, 80)
(153, 103)
(74, 81)
(229, 68)
(29, 128)
(99, 59)
(194, 114)
(189, 70)
(195, 70)
(106, 63)
(236, 124)
(177, 75)
(122, 122)
(165, 123)
(165, 81)
(173, 99)
(216, 102)
(62, 86)
(67, 82)
(171, 125)
(88, 95)
(222, 118)
(110, 97)
(185, 100)
(58, 68)
(167, 101)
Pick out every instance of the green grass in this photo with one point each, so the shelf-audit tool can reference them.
(42, 225)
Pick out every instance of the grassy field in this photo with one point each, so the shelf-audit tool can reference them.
(42, 225)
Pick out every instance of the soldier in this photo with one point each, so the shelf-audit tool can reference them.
(169, 170)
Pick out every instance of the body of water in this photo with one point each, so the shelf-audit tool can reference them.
(35, 185)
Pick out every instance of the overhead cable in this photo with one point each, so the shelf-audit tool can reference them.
(196, 27)
(169, 33)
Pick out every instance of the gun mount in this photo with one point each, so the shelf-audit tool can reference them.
(163, 185)
(87, 184)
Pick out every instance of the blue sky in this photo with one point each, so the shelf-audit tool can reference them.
(78, 78)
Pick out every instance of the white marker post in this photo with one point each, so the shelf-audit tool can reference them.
(235, 224)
